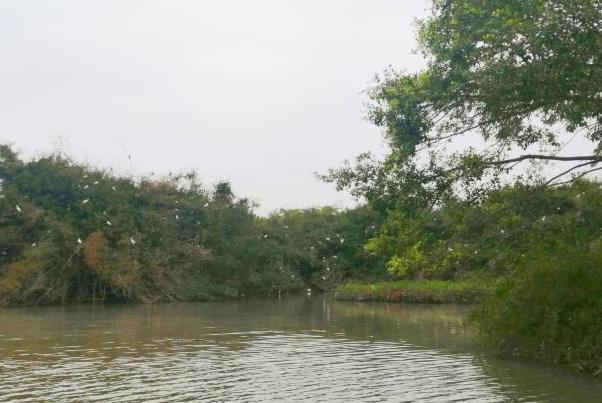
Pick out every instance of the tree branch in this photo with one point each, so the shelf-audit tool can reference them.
(591, 158)
(582, 174)
(569, 170)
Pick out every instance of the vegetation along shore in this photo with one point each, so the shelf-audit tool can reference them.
(479, 199)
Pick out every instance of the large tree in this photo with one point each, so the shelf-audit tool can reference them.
(508, 84)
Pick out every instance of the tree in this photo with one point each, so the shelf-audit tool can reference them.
(506, 82)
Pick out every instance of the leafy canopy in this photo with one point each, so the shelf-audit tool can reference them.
(506, 81)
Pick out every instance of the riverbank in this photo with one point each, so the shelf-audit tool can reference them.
(415, 291)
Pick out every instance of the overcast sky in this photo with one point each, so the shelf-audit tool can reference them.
(262, 93)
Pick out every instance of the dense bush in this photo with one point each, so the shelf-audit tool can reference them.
(489, 239)
(549, 309)
(73, 233)
(543, 246)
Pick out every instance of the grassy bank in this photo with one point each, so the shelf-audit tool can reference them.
(416, 291)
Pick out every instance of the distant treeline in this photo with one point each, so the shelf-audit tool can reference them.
(71, 233)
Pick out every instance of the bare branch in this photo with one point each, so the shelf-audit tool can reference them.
(569, 170)
(591, 158)
(581, 175)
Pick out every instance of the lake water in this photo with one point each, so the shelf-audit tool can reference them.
(291, 349)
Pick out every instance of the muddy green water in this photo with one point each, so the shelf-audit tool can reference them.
(291, 349)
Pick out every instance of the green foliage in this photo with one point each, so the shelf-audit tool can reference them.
(71, 233)
(549, 309)
(489, 239)
(505, 82)
(542, 248)
(423, 291)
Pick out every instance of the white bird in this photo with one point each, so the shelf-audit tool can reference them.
(85, 176)
(85, 201)
(2, 196)
(18, 208)
(177, 217)
(132, 241)
(33, 245)
(335, 256)
(114, 189)
(543, 218)
(450, 249)
(311, 248)
(265, 236)
(328, 269)
(308, 290)
(86, 187)
(323, 278)
(96, 182)
(79, 241)
(342, 240)
(205, 205)
(109, 223)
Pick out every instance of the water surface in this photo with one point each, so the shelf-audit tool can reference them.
(291, 349)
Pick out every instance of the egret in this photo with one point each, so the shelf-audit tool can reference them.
(18, 208)
(132, 241)
(265, 236)
(109, 223)
(33, 245)
(342, 240)
(177, 217)
(96, 182)
(114, 189)
(85, 201)
(328, 238)
(86, 187)
(79, 241)
(328, 269)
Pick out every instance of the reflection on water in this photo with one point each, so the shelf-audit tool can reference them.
(293, 349)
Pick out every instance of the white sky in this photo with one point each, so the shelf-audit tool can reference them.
(260, 92)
